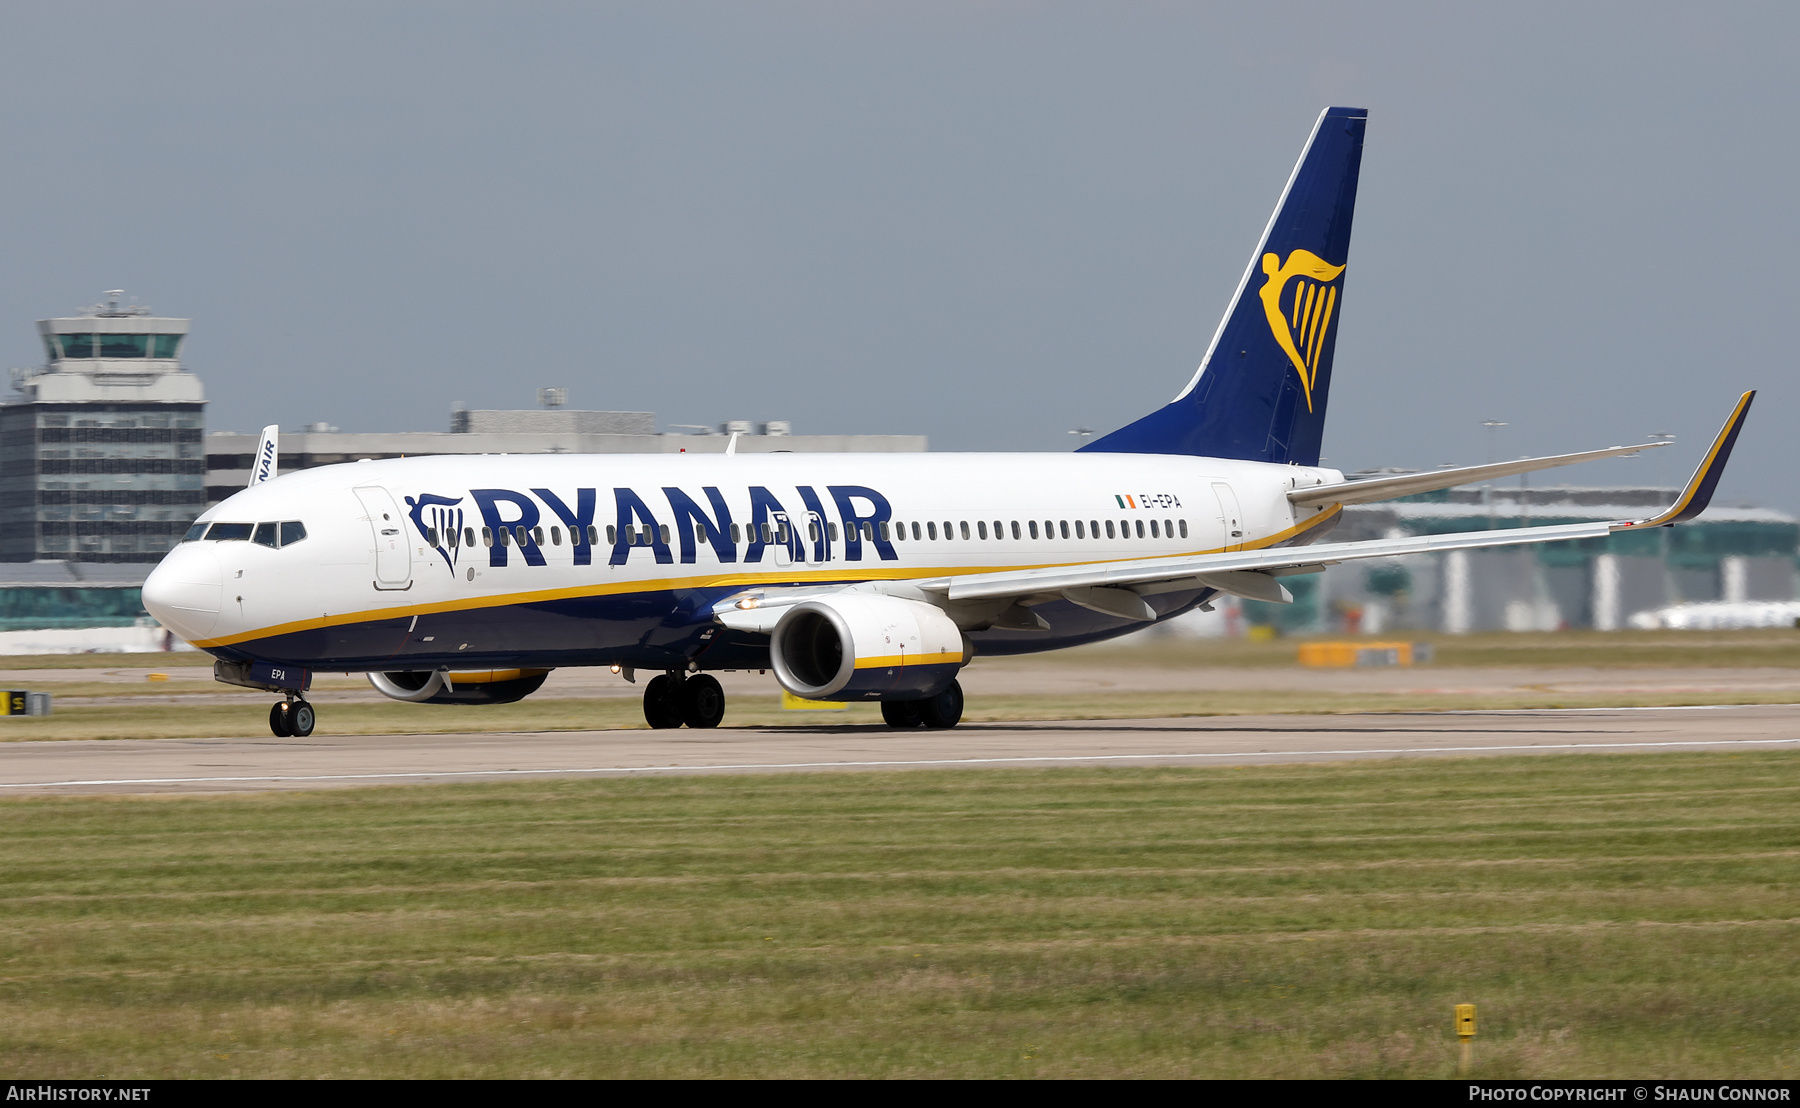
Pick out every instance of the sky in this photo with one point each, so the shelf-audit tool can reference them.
(989, 223)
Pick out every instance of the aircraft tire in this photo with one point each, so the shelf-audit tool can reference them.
(702, 701)
(660, 709)
(300, 719)
(943, 710)
(902, 714)
(278, 719)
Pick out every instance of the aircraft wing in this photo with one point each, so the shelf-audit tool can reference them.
(1119, 588)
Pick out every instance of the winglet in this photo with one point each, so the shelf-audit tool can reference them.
(262, 467)
(1699, 491)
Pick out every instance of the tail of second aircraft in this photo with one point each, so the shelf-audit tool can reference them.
(1261, 390)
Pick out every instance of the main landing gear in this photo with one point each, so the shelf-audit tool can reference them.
(936, 712)
(291, 719)
(675, 698)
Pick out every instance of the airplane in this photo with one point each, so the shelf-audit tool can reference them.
(855, 577)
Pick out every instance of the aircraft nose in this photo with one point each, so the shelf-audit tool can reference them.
(184, 590)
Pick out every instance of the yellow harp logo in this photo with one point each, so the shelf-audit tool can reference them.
(1300, 324)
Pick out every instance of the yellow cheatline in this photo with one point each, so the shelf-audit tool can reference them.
(898, 660)
(490, 676)
(726, 580)
(800, 704)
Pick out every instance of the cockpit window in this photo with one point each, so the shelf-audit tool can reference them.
(197, 530)
(230, 532)
(292, 532)
(265, 535)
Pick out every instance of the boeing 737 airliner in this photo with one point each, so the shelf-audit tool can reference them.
(852, 576)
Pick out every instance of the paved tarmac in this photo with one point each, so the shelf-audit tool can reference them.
(240, 765)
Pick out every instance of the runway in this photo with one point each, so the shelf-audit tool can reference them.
(241, 765)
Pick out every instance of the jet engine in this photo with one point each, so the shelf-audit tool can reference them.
(866, 647)
(437, 686)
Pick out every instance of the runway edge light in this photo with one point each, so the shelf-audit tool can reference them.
(1465, 1032)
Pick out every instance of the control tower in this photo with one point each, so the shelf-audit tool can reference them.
(101, 456)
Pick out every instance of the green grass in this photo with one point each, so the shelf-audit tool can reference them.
(1599, 649)
(1606, 649)
(150, 720)
(1610, 915)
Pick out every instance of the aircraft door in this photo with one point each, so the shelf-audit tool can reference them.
(1230, 515)
(783, 547)
(393, 561)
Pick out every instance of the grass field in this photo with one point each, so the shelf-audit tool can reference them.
(87, 708)
(1611, 915)
(1607, 649)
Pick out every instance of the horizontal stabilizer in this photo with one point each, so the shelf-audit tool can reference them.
(1407, 484)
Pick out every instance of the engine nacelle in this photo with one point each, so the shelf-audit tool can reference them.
(866, 647)
(482, 686)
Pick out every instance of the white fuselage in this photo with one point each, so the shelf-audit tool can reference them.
(403, 564)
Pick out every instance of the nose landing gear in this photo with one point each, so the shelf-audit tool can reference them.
(674, 698)
(292, 718)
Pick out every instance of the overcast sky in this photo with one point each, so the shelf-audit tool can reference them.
(986, 222)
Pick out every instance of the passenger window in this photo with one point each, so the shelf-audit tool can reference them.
(735, 535)
(1094, 527)
(195, 532)
(1015, 529)
(1153, 533)
(1033, 525)
(1049, 529)
(981, 528)
(266, 536)
(1065, 528)
(884, 530)
(487, 536)
(612, 535)
(556, 536)
(999, 531)
(831, 529)
(505, 536)
(1140, 528)
(931, 530)
(915, 531)
(1184, 528)
(537, 536)
(1079, 533)
(899, 531)
(229, 532)
(1168, 529)
(1109, 528)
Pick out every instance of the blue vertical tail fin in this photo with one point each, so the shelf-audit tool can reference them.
(1260, 392)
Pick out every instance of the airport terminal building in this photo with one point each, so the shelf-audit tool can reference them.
(100, 450)
(1730, 554)
(104, 459)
